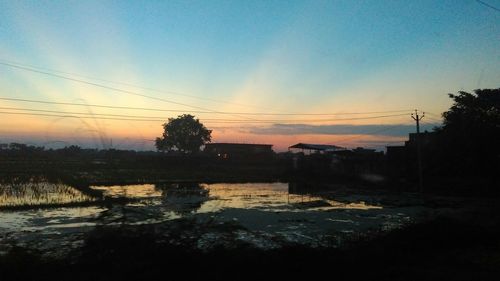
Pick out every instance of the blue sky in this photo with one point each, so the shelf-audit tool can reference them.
(257, 56)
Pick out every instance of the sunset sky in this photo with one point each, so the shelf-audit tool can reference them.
(252, 71)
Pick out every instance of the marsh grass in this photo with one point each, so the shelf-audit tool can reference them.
(24, 192)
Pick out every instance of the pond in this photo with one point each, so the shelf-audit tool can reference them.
(41, 215)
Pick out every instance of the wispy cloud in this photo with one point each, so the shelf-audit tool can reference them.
(302, 129)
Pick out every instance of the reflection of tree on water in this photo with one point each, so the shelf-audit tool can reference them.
(182, 198)
(295, 188)
(308, 191)
(303, 188)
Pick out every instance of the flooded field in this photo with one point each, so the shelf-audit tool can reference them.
(40, 193)
(263, 214)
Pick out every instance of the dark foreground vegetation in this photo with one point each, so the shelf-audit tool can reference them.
(447, 248)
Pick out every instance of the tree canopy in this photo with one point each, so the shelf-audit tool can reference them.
(477, 112)
(471, 131)
(184, 133)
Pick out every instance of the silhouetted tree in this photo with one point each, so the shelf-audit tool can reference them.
(184, 133)
(469, 137)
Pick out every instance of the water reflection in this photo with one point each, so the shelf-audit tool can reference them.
(45, 219)
(291, 211)
(183, 198)
(302, 188)
(190, 198)
(134, 191)
(162, 201)
(274, 197)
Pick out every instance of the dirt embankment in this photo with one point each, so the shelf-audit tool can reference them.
(464, 247)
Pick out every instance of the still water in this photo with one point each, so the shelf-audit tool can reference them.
(263, 211)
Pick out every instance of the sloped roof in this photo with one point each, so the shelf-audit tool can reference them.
(319, 147)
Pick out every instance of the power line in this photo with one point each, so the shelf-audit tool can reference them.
(434, 119)
(488, 5)
(205, 110)
(194, 111)
(11, 63)
(73, 116)
(388, 142)
(86, 115)
(83, 113)
(391, 127)
(434, 114)
(108, 87)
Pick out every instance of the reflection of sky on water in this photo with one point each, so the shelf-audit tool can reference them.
(261, 207)
(40, 219)
(206, 198)
(163, 201)
(269, 196)
(130, 191)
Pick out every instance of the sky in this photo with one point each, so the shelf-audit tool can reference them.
(347, 73)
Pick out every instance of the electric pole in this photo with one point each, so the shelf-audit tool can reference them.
(417, 119)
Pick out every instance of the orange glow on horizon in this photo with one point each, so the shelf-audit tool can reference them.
(73, 131)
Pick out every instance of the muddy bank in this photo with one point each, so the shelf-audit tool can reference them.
(446, 248)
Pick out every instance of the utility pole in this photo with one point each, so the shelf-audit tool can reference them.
(417, 119)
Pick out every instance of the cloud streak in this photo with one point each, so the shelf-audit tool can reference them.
(304, 129)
